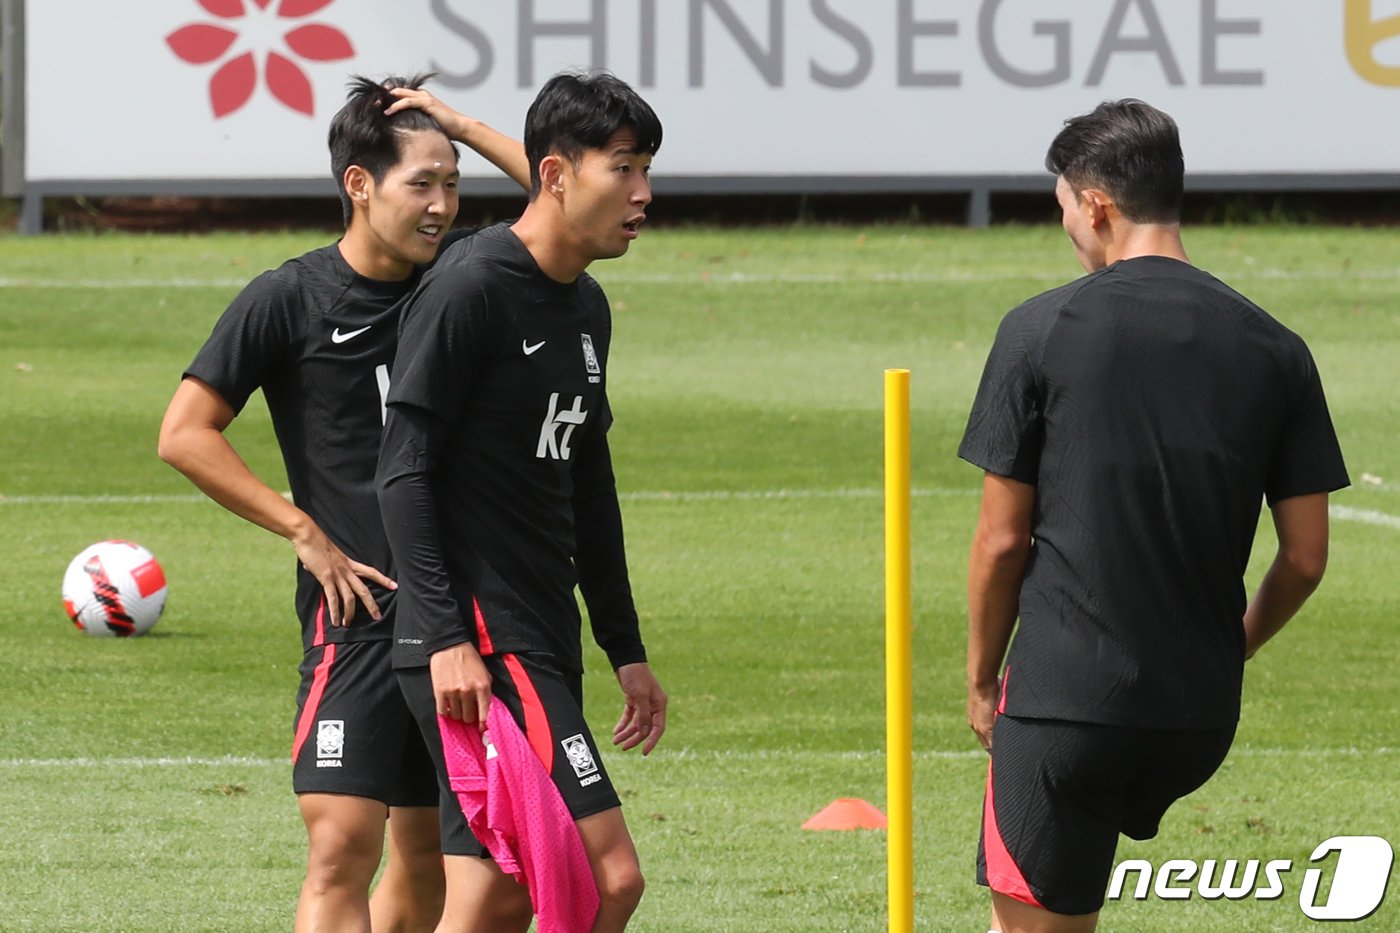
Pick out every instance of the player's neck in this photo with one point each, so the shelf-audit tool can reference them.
(1139, 240)
(358, 250)
(545, 234)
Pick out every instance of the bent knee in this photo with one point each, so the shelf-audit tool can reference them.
(336, 856)
(326, 870)
(421, 856)
(345, 839)
(325, 877)
(623, 888)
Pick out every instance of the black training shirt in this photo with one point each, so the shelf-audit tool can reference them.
(319, 340)
(1153, 408)
(496, 481)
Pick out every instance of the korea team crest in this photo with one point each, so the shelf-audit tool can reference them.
(330, 742)
(590, 359)
(581, 758)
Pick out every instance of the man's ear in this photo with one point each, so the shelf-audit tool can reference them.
(358, 185)
(1096, 205)
(552, 170)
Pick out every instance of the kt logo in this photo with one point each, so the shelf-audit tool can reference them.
(552, 446)
(1363, 33)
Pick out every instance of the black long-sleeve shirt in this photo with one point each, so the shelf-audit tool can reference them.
(495, 479)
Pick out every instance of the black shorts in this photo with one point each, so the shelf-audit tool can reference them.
(547, 704)
(353, 732)
(1059, 793)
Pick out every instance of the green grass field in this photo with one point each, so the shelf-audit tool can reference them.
(144, 784)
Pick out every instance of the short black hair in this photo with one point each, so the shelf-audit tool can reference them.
(362, 135)
(575, 111)
(1131, 151)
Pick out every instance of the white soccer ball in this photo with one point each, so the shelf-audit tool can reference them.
(114, 588)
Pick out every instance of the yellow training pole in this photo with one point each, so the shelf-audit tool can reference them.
(899, 686)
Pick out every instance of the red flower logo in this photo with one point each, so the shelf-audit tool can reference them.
(235, 80)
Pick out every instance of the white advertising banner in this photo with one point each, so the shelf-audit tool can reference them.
(183, 90)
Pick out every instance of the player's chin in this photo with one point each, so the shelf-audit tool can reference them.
(420, 249)
(613, 248)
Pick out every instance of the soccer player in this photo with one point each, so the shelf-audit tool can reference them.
(1130, 425)
(318, 336)
(498, 493)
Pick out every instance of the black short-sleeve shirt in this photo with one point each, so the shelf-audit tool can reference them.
(319, 340)
(1154, 409)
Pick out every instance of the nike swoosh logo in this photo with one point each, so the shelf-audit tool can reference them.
(524, 345)
(338, 337)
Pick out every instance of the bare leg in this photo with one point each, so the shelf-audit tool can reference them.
(1012, 916)
(483, 899)
(616, 869)
(409, 896)
(346, 838)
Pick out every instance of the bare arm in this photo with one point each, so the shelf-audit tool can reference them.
(1000, 548)
(1301, 523)
(500, 150)
(192, 441)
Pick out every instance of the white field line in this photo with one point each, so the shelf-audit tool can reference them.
(192, 497)
(1247, 751)
(710, 495)
(1337, 512)
(24, 282)
(955, 276)
(242, 761)
(684, 754)
(750, 495)
(1365, 516)
(933, 277)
